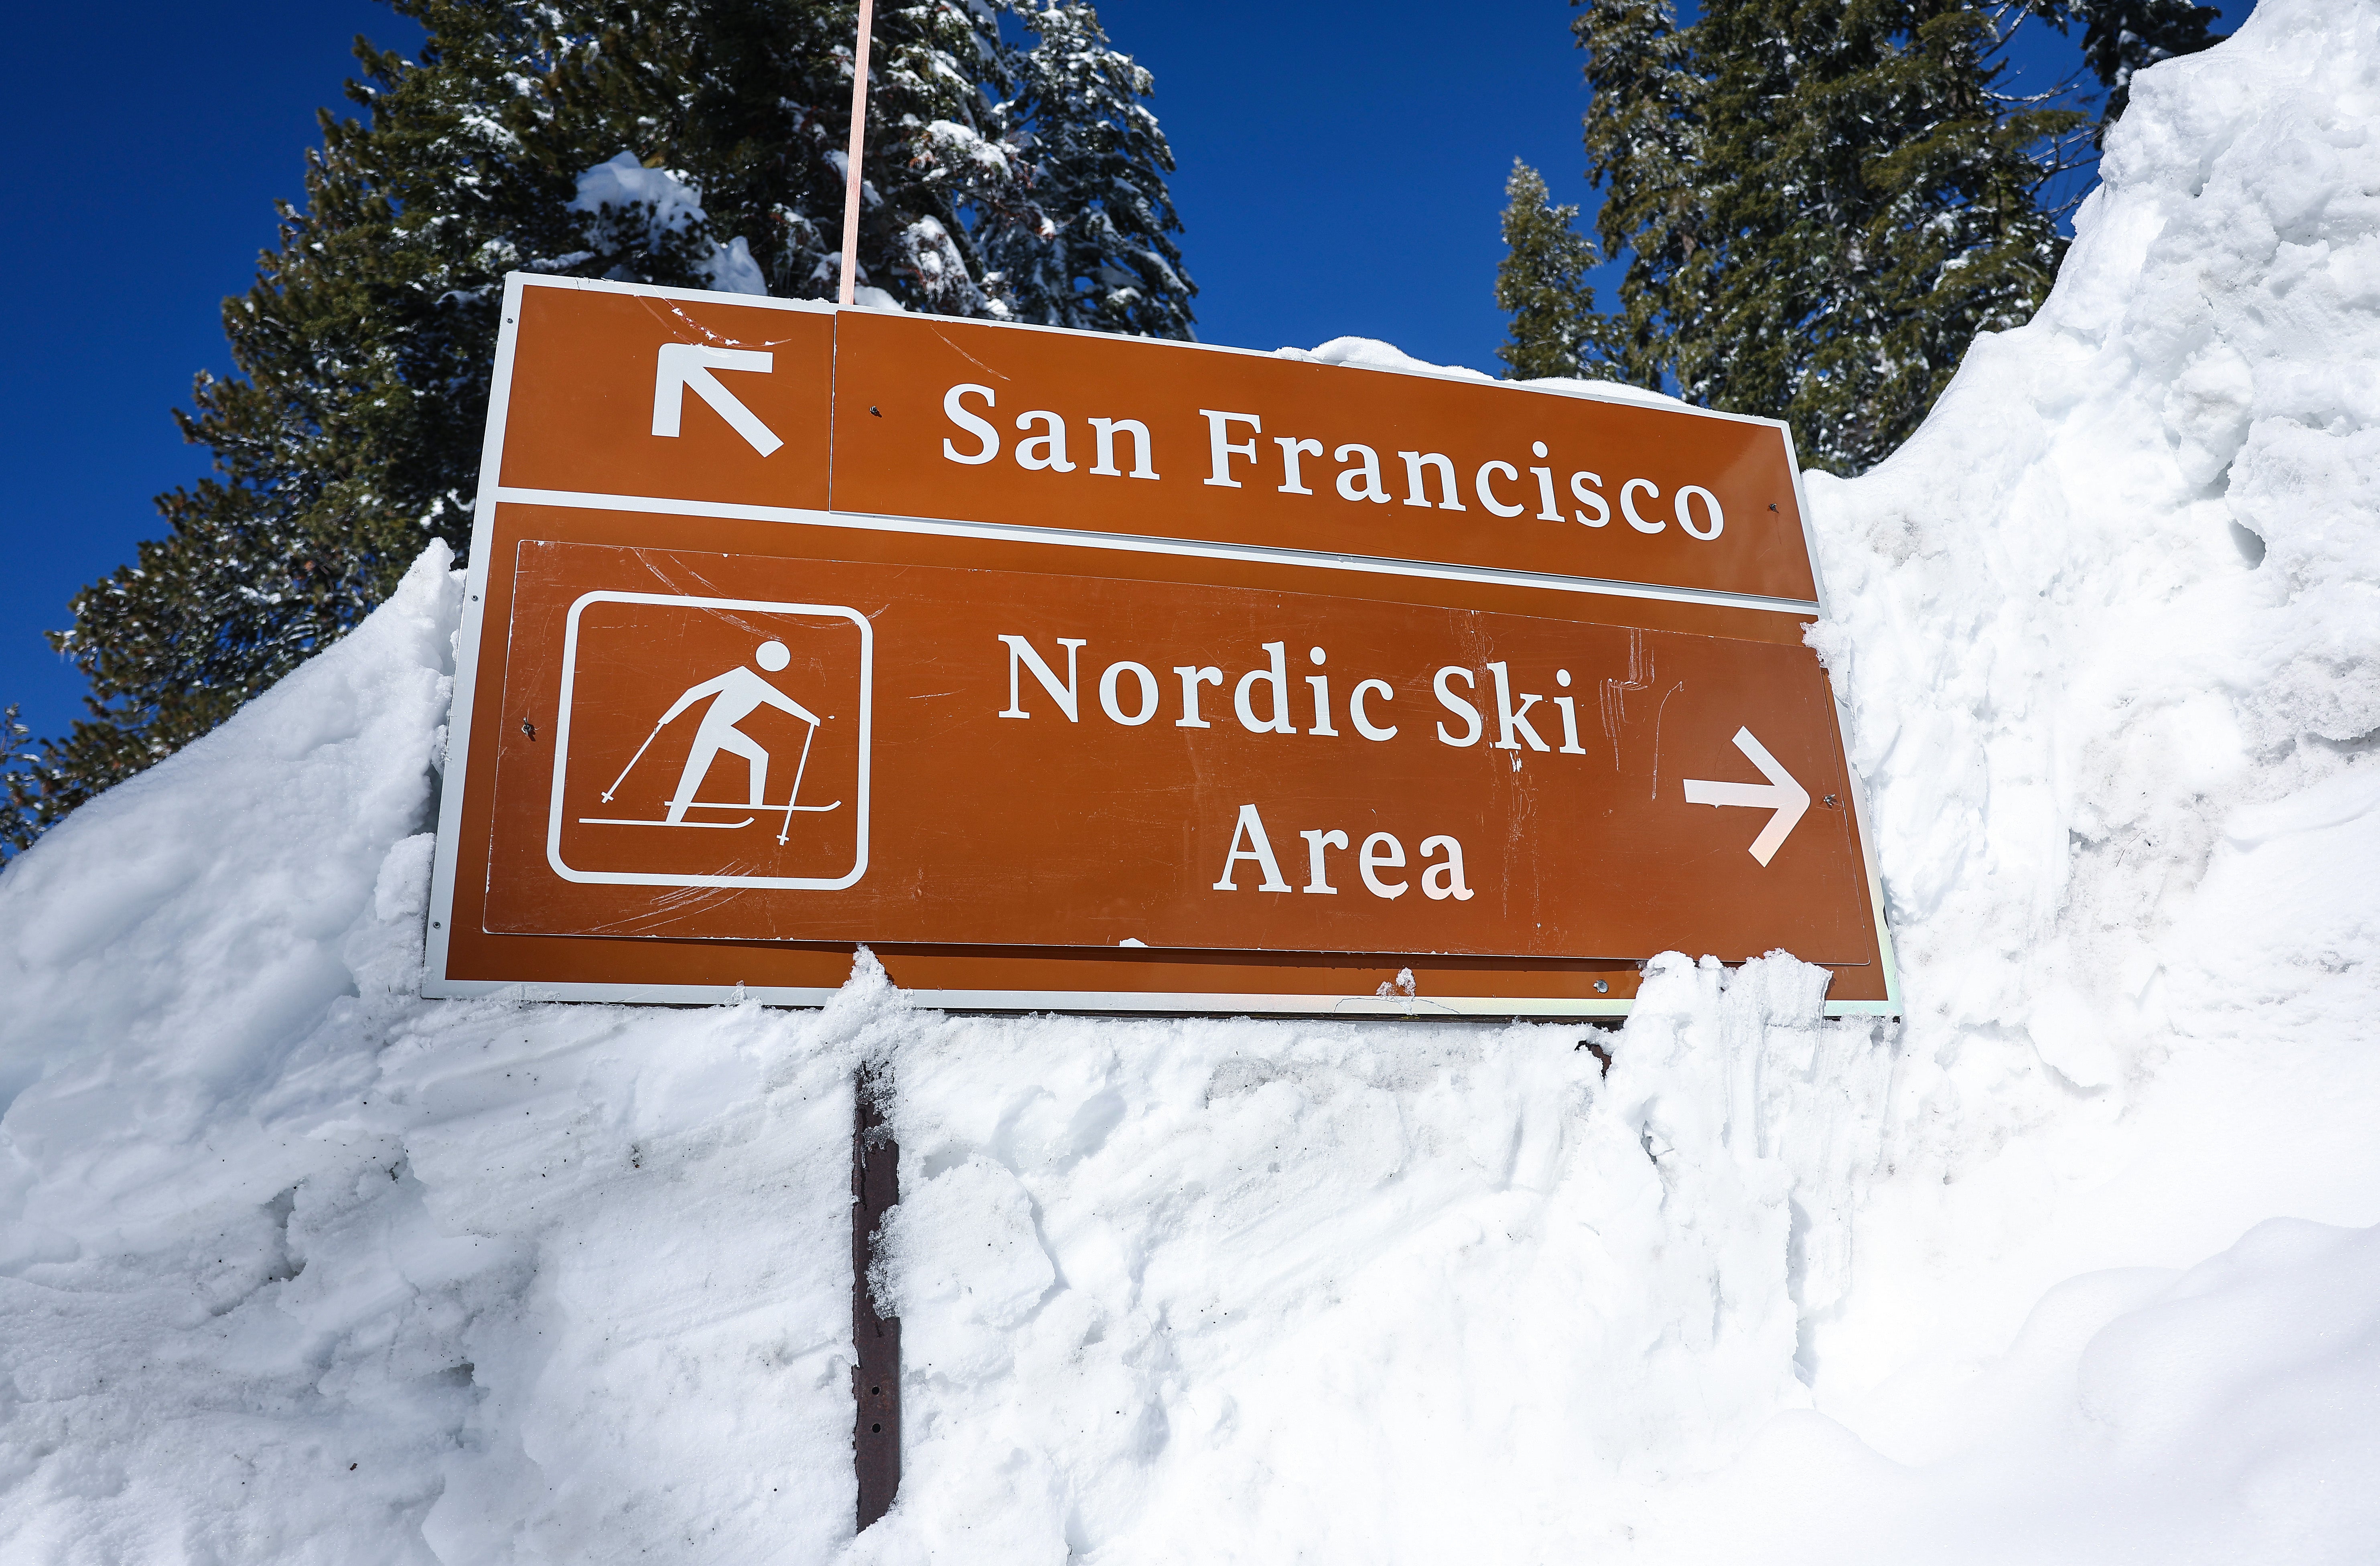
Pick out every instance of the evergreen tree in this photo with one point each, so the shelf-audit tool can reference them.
(2120, 37)
(20, 786)
(1083, 240)
(1645, 139)
(690, 142)
(1542, 284)
(1821, 204)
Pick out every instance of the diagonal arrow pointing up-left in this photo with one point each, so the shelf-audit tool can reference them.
(687, 367)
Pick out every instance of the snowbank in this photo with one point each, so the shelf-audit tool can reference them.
(297, 1266)
(2109, 627)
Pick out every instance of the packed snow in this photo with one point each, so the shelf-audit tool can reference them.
(2077, 1263)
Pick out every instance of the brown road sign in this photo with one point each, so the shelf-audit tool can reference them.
(1134, 677)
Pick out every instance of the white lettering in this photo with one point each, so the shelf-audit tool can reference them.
(1686, 514)
(1107, 430)
(1290, 446)
(1277, 677)
(1192, 678)
(1051, 444)
(1375, 858)
(1148, 694)
(1362, 720)
(1457, 706)
(980, 428)
(1586, 495)
(1547, 511)
(1432, 886)
(1628, 504)
(1415, 493)
(1219, 436)
(1488, 496)
(1317, 878)
(1021, 651)
(1258, 852)
(1570, 715)
(1321, 684)
(1512, 720)
(1369, 472)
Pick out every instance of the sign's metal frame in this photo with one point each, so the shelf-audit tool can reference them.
(442, 901)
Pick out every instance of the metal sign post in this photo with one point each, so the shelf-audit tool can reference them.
(876, 1339)
(851, 158)
(875, 1158)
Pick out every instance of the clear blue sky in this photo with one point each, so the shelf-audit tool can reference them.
(1341, 170)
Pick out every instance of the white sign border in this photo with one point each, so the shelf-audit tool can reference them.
(562, 745)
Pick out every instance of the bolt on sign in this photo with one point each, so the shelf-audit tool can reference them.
(1099, 674)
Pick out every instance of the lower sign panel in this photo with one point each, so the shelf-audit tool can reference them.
(751, 748)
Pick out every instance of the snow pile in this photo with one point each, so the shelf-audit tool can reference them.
(1371, 353)
(1209, 1291)
(297, 1266)
(2109, 627)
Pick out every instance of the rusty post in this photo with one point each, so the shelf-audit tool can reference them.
(875, 1339)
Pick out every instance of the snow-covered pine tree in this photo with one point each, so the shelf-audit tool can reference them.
(1644, 141)
(2120, 37)
(1821, 204)
(1082, 238)
(1956, 243)
(349, 437)
(1542, 284)
(20, 784)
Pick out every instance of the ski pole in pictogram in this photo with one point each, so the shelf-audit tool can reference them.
(632, 763)
(799, 767)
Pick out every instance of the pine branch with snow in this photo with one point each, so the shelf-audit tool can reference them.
(1542, 284)
(688, 143)
(1083, 237)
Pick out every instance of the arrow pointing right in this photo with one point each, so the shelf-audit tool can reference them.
(687, 367)
(1779, 794)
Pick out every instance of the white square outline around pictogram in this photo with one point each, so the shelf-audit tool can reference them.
(562, 745)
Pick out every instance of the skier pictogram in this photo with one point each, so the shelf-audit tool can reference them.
(734, 697)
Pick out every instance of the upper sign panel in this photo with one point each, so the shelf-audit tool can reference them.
(709, 401)
(1010, 425)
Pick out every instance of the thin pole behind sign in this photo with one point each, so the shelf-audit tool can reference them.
(858, 136)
